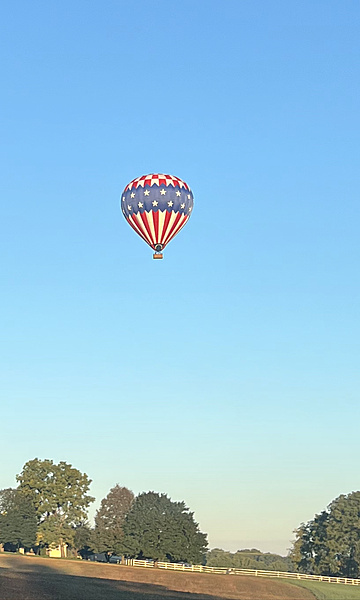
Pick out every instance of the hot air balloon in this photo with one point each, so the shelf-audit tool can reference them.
(157, 206)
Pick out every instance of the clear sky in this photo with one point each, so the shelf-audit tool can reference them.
(226, 375)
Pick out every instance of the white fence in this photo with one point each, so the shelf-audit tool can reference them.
(230, 571)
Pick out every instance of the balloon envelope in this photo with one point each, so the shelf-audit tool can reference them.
(157, 206)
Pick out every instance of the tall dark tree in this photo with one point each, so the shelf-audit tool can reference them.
(330, 543)
(109, 520)
(18, 522)
(160, 529)
(83, 541)
(58, 493)
(301, 553)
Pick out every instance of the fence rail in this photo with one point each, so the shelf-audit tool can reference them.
(232, 571)
(285, 575)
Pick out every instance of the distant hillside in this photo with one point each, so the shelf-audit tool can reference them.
(249, 559)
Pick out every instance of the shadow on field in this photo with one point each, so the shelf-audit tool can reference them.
(35, 578)
(39, 582)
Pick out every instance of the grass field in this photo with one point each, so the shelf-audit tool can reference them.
(330, 591)
(34, 578)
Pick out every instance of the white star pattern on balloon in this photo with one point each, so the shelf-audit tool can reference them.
(154, 203)
(163, 192)
(140, 204)
(146, 192)
(178, 193)
(132, 195)
(170, 203)
(129, 207)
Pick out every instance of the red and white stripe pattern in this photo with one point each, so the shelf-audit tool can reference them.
(157, 227)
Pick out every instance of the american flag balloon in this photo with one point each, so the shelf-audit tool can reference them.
(157, 206)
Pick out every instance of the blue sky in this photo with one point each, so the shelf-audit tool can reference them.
(226, 375)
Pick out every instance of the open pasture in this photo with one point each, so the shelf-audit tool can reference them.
(34, 578)
(329, 591)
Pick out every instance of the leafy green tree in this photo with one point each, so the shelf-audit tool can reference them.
(109, 520)
(343, 534)
(18, 521)
(160, 529)
(330, 543)
(55, 531)
(301, 553)
(58, 493)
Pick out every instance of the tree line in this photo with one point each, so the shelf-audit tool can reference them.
(49, 506)
(249, 559)
(49, 509)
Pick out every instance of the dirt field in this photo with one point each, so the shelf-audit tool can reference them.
(33, 578)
